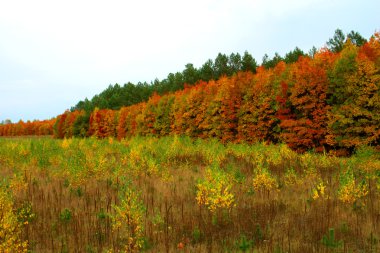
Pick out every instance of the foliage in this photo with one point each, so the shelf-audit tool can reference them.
(214, 191)
(128, 219)
(306, 128)
(350, 190)
(355, 100)
(319, 191)
(10, 226)
(263, 182)
(102, 123)
(21, 128)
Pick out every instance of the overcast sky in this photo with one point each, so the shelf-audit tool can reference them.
(55, 53)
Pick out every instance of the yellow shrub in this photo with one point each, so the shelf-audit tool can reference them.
(263, 182)
(66, 143)
(319, 191)
(10, 227)
(291, 178)
(351, 192)
(286, 153)
(215, 191)
(129, 220)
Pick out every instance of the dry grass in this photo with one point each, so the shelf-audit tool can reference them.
(74, 186)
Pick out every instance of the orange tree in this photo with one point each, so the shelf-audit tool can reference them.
(230, 95)
(127, 125)
(102, 123)
(59, 126)
(306, 129)
(69, 123)
(178, 123)
(257, 114)
(146, 118)
(190, 109)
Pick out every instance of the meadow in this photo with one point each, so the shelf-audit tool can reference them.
(177, 194)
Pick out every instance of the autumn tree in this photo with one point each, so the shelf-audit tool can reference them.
(59, 126)
(193, 109)
(162, 121)
(257, 119)
(102, 123)
(69, 123)
(213, 114)
(81, 124)
(146, 118)
(178, 109)
(354, 98)
(227, 103)
(36, 127)
(307, 128)
(127, 125)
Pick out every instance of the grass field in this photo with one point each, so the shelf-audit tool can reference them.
(175, 194)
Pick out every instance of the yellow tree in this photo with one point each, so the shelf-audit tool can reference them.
(355, 99)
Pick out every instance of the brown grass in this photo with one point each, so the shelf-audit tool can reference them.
(75, 216)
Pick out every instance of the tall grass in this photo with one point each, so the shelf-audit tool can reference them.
(178, 194)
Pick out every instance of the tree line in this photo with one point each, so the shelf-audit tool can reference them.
(21, 128)
(117, 96)
(326, 101)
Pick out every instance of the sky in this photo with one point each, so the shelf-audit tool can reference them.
(55, 53)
